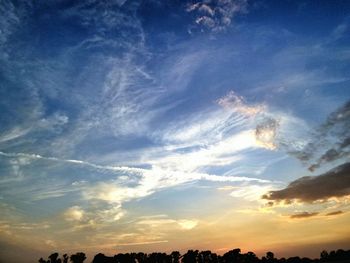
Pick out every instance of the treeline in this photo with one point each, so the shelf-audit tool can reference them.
(195, 256)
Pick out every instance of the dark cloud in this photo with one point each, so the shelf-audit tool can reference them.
(303, 215)
(342, 116)
(327, 143)
(339, 212)
(331, 141)
(334, 183)
(329, 156)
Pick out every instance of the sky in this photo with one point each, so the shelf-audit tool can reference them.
(130, 125)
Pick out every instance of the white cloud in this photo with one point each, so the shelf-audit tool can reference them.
(74, 213)
(14, 133)
(187, 224)
(223, 152)
(204, 8)
(213, 125)
(151, 181)
(237, 104)
(93, 216)
(215, 137)
(216, 15)
(251, 192)
(106, 215)
(161, 220)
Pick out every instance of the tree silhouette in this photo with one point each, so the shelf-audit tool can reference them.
(78, 257)
(65, 258)
(190, 256)
(270, 257)
(324, 255)
(101, 258)
(250, 257)
(232, 256)
(54, 258)
(175, 256)
(194, 256)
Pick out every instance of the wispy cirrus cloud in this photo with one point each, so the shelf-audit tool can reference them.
(117, 84)
(108, 193)
(152, 181)
(251, 192)
(215, 138)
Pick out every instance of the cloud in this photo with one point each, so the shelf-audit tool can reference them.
(160, 220)
(337, 126)
(266, 132)
(127, 183)
(7, 227)
(46, 192)
(205, 127)
(142, 243)
(107, 96)
(214, 137)
(114, 213)
(335, 136)
(94, 216)
(237, 104)
(14, 133)
(216, 15)
(104, 18)
(74, 213)
(334, 183)
(168, 169)
(220, 153)
(339, 212)
(179, 69)
(250, 192)
(9, 21)
(27, 158)
(187, 224)
(303, 215)
(338, 33)
(275, 130)
(151, 181)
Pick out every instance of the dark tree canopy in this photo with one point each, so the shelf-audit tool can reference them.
(195, 256)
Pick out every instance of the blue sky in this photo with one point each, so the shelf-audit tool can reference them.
(142, 125)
